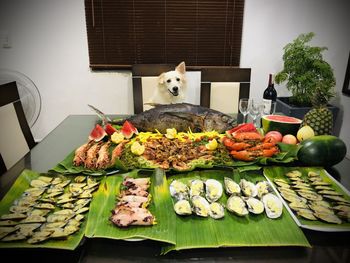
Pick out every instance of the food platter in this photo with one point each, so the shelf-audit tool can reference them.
(232, 230)
(273, 173)
(209, 159)
(18, 189)
(100, 225)
(207, 218)
(186, 233)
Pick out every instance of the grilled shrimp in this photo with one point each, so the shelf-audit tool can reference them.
(80, 154)
(92, 155)
(103, 156)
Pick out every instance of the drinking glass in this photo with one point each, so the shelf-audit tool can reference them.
(270, 109)
(244, 108)
(254, 110)
(261, 107)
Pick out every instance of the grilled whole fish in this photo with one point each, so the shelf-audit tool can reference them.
(181, 116)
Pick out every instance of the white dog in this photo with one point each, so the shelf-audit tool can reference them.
(171, 86)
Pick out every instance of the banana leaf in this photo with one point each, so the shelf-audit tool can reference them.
(129, 161)
(249, 168)
(232, 231)
(275, 172)
(15, 192)
(104, 202)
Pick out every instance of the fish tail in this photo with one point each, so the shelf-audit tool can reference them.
(118, 121)
(100, 114)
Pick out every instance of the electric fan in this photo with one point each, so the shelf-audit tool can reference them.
(28, 93)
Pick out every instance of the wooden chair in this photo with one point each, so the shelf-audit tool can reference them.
(144, 79)
(16, 137)
(223, 87)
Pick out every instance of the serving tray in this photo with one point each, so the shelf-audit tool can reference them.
(274, 172)
(16, 191)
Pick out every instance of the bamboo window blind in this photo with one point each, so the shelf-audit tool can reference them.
(126, 32)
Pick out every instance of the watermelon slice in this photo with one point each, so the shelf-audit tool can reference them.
(97, 134)
(281, 123)
(244, 127)
(128, 130)
(110, 129)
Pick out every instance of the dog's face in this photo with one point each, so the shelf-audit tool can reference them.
(173, 81)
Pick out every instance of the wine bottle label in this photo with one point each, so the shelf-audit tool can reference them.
(267, 106)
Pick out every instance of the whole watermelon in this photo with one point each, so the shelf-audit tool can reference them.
(322, 150)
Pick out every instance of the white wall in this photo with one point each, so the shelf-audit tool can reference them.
(271, 24)
(49, 45)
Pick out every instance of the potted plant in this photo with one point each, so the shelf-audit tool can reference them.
(304, 72)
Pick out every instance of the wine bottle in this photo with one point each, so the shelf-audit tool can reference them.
(270, 94)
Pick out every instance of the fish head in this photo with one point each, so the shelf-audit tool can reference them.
(218, 121)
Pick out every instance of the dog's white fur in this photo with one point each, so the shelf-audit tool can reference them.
(171, 86)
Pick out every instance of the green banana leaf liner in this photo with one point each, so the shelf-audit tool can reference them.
(222, 158)
(20, 185)
(99, 224)
(252, 230)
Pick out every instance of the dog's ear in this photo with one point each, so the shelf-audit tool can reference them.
(181, 68)
(161, 78)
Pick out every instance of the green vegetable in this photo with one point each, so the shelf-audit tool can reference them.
(323, 150)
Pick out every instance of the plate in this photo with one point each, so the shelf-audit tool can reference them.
(134, 239)
(110, 172)
(309, 224)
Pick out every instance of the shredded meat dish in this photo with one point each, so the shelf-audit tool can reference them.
(174, 153)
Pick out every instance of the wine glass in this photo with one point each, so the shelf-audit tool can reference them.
(244, 108)
(269, 108)
(261, 107)
(254, 110)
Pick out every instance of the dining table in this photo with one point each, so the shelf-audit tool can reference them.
(72, 132)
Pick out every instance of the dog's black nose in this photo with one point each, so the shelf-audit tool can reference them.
(175, 89)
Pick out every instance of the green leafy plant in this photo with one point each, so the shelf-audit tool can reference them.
(305, 70)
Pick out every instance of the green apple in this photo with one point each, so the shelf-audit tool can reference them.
(305, 132)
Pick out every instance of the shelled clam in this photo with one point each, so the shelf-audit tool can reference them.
(247, 197)
(198, 197)
(202, 198)
(213, 190)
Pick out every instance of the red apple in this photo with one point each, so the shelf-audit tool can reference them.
(289, 139)
(275, 135)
